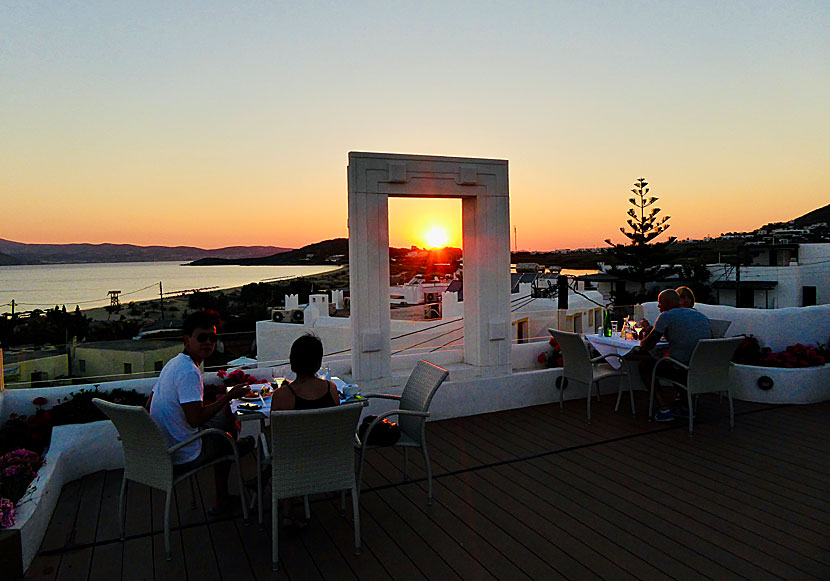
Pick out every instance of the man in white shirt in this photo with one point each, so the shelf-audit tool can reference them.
(176, 404)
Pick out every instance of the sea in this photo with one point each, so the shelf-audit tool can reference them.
(86, 285)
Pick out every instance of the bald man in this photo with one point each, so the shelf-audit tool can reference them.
(682, 328)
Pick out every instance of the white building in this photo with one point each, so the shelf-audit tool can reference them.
(779, 276)
(530, 320)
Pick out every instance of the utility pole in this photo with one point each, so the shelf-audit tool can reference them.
(12, 308)
(738, 278)
(161, 300)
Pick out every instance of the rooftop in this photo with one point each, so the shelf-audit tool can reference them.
(533, 493)
(130, 345)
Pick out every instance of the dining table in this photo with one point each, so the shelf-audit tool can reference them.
(613, 345)
(253, 412)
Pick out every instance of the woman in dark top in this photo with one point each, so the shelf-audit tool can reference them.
(307, 392)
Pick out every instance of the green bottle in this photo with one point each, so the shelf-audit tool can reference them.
(606, 325)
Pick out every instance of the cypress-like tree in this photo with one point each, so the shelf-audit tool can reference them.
(642, 258)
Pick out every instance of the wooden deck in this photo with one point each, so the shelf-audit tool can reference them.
(525, 494)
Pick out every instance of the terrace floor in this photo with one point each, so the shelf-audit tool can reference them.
(533, 493)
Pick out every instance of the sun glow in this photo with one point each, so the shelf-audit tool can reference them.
(436, 237)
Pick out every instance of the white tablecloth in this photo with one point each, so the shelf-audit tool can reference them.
(616, 344)
(608, 345)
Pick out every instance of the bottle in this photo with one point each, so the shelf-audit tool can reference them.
(606, 325)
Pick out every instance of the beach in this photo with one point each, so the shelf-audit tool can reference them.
(174, 305)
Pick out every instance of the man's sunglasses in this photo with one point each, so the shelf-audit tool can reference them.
(205, 337)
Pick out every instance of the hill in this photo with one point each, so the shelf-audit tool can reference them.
(814, 217)
(335, 251)
(6, 260)
(21, 253)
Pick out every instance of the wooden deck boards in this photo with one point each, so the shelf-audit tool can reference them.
(521, 494)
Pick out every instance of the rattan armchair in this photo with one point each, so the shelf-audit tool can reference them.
(581, 368)
(412, 412)
(312, 452)
(708, 372)
(148, 460)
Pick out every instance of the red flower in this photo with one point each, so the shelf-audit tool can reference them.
(39, 401)
(543, 358)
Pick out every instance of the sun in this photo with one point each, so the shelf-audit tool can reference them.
(436, 237)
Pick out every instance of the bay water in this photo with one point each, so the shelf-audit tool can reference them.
(86, 285)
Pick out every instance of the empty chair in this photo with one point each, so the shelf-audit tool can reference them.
(719, 327)
(148, 460)
(581, 368)
(708, 372)
(312, 451)
(412, 412)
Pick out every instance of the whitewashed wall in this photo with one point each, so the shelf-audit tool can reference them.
(774, 328)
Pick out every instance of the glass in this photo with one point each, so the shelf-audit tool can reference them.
(279, 374)
(324, 373)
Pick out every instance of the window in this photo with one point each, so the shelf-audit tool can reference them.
(808, 296)
(578, 323)
(158, 365)
(521, 331)
(128, 368)
(82, 365)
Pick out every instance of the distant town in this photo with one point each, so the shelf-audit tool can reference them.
(777, 265)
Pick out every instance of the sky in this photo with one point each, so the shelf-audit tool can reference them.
(229, 123)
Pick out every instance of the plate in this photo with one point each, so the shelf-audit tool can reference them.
(252, 397)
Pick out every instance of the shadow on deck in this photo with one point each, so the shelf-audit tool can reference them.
(533, 493)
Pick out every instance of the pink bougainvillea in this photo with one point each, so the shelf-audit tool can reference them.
(750, 353)
(6, 513)
(552, 357)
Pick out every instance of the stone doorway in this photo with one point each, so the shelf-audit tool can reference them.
(482, 186)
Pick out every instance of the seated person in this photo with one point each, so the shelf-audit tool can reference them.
(682, 328)
(687, 297)
(176, 405)
(306, 392)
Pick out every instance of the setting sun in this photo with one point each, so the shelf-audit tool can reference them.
(436, 237)
(423, 222)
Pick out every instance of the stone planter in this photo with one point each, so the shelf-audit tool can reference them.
(75, 451)
(781, 385)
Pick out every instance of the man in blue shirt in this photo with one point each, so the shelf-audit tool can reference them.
(682, 328)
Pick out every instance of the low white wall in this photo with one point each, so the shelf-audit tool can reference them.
(799, 385)
(74, 452)
(19, 401)
(774, 328)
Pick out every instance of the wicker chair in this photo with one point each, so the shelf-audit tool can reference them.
(412, 413)
(148, 460)
(312, 452)
(708, 372)
(719, 327)
(581, 368)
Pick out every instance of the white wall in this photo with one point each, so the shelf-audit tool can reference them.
(774, 328)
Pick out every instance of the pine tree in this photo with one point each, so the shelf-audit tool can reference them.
(642, 257)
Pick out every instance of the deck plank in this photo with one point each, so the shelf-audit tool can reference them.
(519, 494)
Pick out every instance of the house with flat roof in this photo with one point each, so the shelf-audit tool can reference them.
(126, 359)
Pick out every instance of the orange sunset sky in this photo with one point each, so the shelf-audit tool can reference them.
(216, 124)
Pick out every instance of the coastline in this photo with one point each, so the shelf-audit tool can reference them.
(337, 278)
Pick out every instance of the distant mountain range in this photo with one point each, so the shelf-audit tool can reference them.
(334, 251)
(21, 253)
